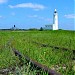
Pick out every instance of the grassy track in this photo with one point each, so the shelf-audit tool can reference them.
(56, 59)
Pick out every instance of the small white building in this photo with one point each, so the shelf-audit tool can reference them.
(48, 27)
(54, 26)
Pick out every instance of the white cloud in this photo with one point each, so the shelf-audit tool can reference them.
(3, 1)
(40, 18)
(13, 13)
(70, 16)
(28, 5)
(48, 19)
(45, 19)
(32, 16)
(1, 16)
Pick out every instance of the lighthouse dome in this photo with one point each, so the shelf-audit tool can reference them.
(55, 11)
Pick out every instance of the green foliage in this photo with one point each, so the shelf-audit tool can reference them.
(32, 29)
(41, 29)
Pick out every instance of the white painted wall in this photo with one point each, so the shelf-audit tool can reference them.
(55, 20)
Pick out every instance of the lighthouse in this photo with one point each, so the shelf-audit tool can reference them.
(55, 20)
(53, 26)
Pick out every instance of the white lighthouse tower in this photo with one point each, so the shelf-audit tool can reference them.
(55, 20)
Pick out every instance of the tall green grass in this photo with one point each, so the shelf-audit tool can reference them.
(23, 41)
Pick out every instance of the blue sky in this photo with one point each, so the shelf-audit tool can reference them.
(36, 13)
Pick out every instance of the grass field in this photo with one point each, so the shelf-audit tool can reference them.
(57, 59)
